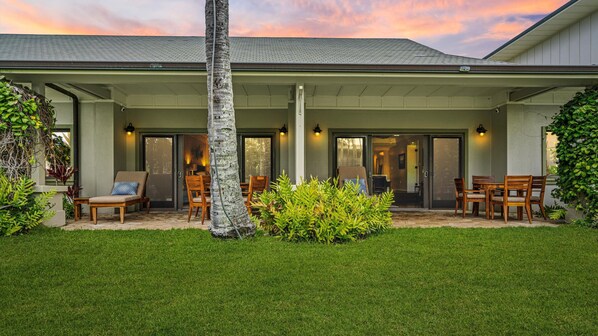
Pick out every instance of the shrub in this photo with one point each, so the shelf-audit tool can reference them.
(321, 212)
(576, 127)
(20, 210)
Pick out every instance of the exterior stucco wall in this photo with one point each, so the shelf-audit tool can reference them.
(525, 144)
(478, 155)
(499, 142)
(100, 129)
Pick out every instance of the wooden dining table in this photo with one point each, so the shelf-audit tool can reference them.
(489, 188)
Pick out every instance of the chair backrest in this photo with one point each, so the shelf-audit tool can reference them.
(459, 186)
(351, 172)
(193, 183)
(476, 179)
(539, 186)
(204, 186)
(257, 185)
(519, 183)
(133, 176)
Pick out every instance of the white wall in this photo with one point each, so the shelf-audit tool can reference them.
(574, 45)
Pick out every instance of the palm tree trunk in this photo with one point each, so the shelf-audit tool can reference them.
(228, 211)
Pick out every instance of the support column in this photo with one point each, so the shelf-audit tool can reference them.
(38, 171)
(299, 133)
(38, 175)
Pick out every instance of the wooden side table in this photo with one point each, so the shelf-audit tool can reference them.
(77, 201)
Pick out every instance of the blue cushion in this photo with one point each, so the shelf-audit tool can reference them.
(125, 188)
(360, 184)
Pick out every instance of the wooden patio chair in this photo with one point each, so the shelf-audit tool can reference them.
(206, 199)
(517, 192)
(257, 185)
(538, 189)
(193, 183)
(128, 189)
(464, 196)
(352, 173)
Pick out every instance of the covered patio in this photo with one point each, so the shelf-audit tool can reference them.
(166, 220)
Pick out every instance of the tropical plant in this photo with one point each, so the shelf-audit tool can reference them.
(321, 211)
(228, 211)
(20, 209)
(576, 127)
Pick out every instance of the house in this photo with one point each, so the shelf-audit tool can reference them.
(409, 113)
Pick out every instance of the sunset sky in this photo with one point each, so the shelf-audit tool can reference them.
(462, 27)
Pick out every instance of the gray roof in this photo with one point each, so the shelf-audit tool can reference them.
(244, 50)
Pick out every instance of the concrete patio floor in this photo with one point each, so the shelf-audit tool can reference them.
(166, 220)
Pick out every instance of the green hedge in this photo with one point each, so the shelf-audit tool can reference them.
(576, 127)
(321, 212)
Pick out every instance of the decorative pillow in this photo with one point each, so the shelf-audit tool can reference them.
(125, 188)
(360, 184)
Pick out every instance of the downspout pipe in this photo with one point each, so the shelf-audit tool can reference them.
(76, 128)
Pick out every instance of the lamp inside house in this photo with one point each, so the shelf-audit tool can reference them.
(130, 129)
(317, 130)
(481, 130)
(283, 130)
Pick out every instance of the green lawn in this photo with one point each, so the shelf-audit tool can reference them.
(406, 281)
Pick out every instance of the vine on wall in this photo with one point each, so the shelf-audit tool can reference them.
(576, 127)
(26, 121)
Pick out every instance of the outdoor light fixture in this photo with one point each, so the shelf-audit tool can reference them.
(283, 129)
(130, 129)
(481, 130)
(317, 130)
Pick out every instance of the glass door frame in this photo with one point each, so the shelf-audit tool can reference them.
(367, 163)
(461, 138)
(427, 149)
(163, 204)
(241, 151)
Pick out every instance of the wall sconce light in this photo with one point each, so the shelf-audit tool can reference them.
(481, 130)
(317, 130)
(283, 130)
(130, 129)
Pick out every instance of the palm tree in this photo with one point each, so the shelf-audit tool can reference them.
(228, 211)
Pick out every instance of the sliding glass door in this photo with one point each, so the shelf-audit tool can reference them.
(446, 166)
(417, 168)
(158, 161)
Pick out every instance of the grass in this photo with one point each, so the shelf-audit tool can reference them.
(407, 281)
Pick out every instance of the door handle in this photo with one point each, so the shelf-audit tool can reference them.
(426, 173)
(179, 174)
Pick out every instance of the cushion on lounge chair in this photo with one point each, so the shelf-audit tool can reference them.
(125, 188)
(361, 187)
(113, 199)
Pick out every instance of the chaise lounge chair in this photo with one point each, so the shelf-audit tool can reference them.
(128, 189)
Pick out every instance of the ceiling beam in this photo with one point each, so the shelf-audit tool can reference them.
(527, 93)
(98, 91)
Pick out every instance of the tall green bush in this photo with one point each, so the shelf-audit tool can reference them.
(20, 209)
(321, 212)
(576, 127)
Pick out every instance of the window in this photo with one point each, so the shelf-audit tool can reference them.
(257, 156)
(349, 151)
(550, 163)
